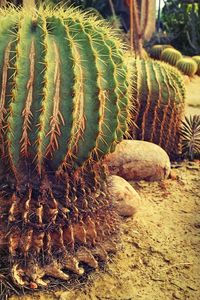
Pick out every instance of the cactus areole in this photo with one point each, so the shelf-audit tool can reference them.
(64, 91)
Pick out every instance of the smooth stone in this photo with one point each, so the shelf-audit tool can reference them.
(125, 199)
(139, 160)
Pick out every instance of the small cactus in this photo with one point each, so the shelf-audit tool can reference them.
(158, 93)
(170, 56)
(190, 137)
(196, 58)
(64, 99)
(156, 50)
(187, 66)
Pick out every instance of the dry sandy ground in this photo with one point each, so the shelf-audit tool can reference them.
(159, 257)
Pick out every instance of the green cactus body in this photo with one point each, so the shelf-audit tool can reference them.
(156, 50)
(159, 95)
(65, 91)
(170, 56)
(196, 58)
(187, 66)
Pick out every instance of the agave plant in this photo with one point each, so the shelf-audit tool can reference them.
(64, 99)
(190, 134)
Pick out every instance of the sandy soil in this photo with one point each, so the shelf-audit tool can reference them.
(159, 257)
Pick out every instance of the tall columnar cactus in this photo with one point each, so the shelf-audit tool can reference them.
(159, 95)
(187, 66)
(196, 58)
(170, 56)
(64, 90)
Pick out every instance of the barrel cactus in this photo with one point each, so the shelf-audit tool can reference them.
(170, 56)
(187, 66)
(64, 105)
(156, 50)
(196, 58)
(159, 96)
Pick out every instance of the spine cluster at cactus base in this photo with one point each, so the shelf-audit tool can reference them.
(64, 90)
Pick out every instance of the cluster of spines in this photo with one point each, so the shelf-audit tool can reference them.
(63, 108)
(159, 95)
(187, 66)
(59, 223)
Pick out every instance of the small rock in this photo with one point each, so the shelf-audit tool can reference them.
(139, 160)
(125, 199)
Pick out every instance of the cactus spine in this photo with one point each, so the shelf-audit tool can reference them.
(159, 95)
(170, 56)
(64, 104)
(197, 60)
(187, 66)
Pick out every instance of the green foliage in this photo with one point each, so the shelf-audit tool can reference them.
(187, 66)
(181, 20)
(64, 89)
(171, 56)
(159, 94)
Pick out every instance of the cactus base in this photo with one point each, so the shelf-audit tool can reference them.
(56, 225)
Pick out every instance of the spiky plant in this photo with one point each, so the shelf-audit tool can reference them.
(64, 90)
(156, 50)
(170, 56)
(158, 93)
(190, 137)
(187, 66)
(196, 58)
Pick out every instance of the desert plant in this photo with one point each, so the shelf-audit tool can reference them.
(64, 104)
(156, 50)
(159, 95)
(190, 137)
(187, 66)
(171, 56)
(196, 58)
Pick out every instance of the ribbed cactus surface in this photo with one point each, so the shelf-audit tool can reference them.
(187, 66)
(170, 56)
(63, 89)
(159, 94)
(64, 99)
(196, 58)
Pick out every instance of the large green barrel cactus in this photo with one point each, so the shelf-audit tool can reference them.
(187, 66)
(170, 56)
(64, 91)
(159, 95)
